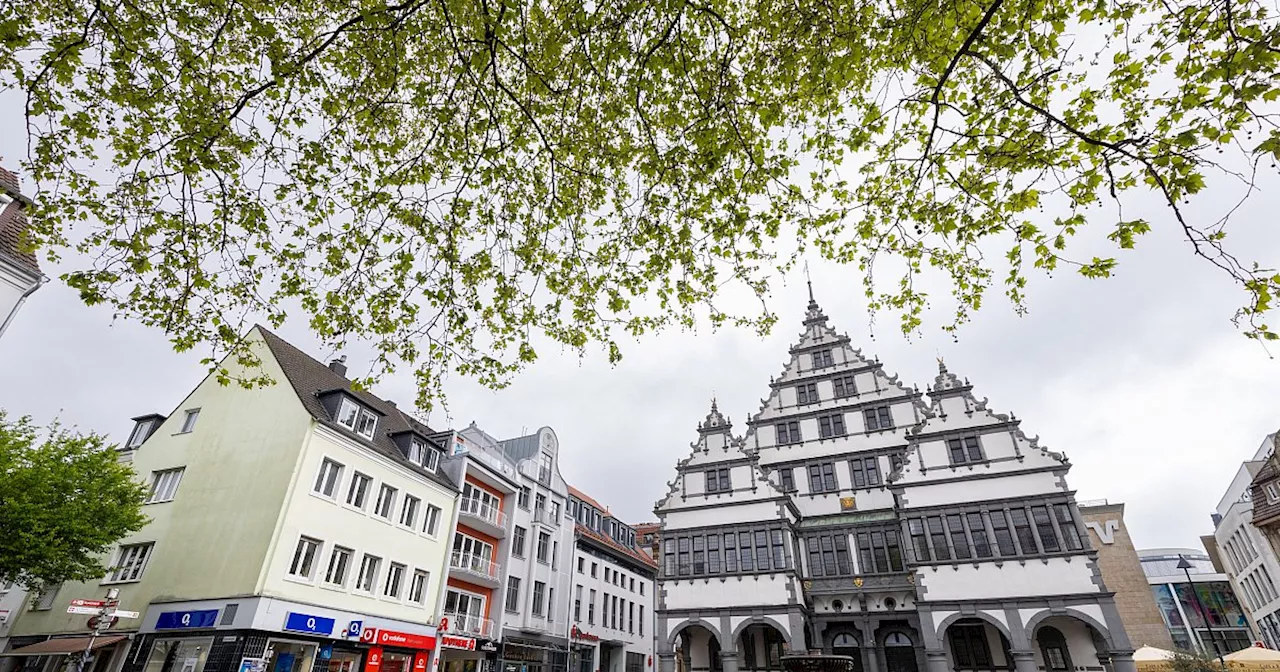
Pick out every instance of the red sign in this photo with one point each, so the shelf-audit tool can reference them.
(583, 635)
(444, 624)
(368, 635)
(406, 640)
(88, 603)
(420, 661)
(456, 642)
(373, 662)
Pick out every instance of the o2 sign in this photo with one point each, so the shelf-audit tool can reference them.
(308, 623)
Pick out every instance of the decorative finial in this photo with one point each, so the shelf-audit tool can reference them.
(808, 280)
(942, 366)
(714, 408)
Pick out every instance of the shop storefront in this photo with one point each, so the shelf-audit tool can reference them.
(524, 655)
(395, 651)
(466, 654)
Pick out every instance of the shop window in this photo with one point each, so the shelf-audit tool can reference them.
(179, 655)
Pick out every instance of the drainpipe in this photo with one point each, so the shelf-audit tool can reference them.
(40, 281)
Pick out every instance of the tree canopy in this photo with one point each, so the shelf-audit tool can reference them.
(453, 179)
(64, 502)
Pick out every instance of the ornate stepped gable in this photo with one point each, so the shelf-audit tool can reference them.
(955, 414)
(716, 449)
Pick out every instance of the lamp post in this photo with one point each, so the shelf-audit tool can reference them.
(1185, 566)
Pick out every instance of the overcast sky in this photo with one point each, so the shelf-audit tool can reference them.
(1141, 380)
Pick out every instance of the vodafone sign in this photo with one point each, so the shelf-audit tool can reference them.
(407, 640)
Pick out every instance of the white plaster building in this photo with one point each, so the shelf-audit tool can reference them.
(1248, 559)
(612, 605)
(858, 517)
(20, 274)
(280, 517)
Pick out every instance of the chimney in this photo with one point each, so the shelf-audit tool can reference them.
(339, 366)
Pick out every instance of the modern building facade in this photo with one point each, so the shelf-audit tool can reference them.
(1122, 573)
(20, 274)
(612, 608)
(295, 527)
(1210, 619)
(534, 620)
(1243, 550)
(857, 516)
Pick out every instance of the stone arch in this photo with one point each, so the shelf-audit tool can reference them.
(690, 622)
(1035, 621)
(980, 615)
(764, 620)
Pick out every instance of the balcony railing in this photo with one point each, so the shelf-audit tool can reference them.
(469, 624)
(475, 564)
(544, 516)
(472, 506)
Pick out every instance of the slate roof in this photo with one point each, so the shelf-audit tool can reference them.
(1265, 512)
(309, 377)
(13, 222)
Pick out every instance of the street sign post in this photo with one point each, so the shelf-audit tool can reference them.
(104, 615)
(87, 611)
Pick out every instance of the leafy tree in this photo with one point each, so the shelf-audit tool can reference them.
(1194, 661)
(453, 178)
(64, 501)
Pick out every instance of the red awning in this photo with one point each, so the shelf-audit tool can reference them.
(64, 646)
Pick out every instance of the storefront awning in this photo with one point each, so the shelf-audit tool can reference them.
(64, 646)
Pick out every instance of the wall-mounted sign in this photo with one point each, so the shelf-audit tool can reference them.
(420, 661)
(489, 647)
(176, 620)
(1105, 530)
(373, 662)
(848, 504)
(406, 640)
(848, 519)
(354, 628)
(456, 642)
(459, 446)
(316, 625)
(582, 635)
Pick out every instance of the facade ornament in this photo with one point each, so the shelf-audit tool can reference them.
(857, 582)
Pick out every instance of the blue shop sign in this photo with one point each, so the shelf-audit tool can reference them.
(295, 622)
(176, 620)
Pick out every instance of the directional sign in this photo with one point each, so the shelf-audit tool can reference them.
(88, 611)
(87, 603)
(125, 614)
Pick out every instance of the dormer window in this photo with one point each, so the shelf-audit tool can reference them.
(423, 455)
(357, 418)
(1273, 493)
(140, 433)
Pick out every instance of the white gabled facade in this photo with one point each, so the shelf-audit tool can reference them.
(909, 533)
(1248, 559)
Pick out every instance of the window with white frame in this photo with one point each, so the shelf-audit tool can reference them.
(131, 561)
(468, 609)
(423, 455)
(418, 586)
(339, 566)
(1273, 493)
(304, 557)
(368, 577)
(358, 491)
(357, 418)
(328, 479)
(140, 433)
(472, 549)
(431, 524)
(395, 580)
(164, 485)
(189, 420)
(409, 511)
(386, 501)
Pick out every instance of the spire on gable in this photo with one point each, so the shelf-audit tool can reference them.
(715, 423)
(947, 384)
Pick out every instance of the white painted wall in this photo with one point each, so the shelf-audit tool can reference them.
(1053, 576)
(732, 591)
(336, 523)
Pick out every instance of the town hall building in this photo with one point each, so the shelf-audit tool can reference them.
(912, 531)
